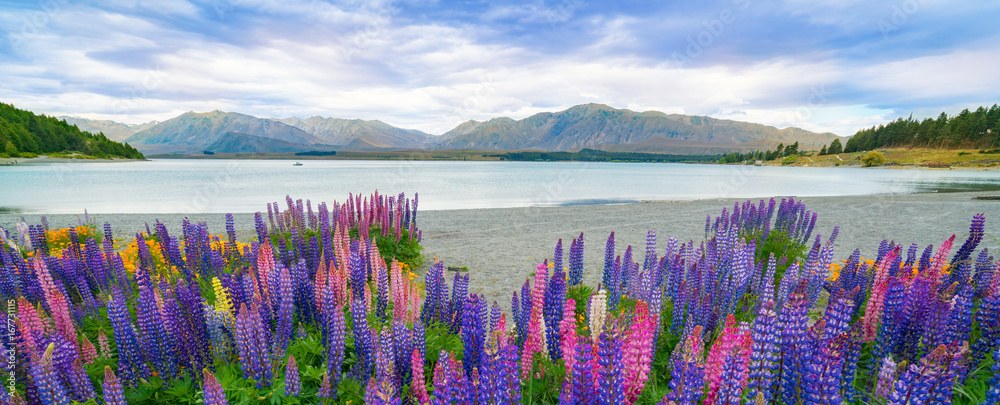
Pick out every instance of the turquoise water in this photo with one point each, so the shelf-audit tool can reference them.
(215, 186)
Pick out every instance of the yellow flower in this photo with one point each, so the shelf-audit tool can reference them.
(222, 302)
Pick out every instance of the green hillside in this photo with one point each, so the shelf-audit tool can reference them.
(25, 134)
(979, 129)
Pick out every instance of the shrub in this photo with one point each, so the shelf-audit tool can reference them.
(873, 158)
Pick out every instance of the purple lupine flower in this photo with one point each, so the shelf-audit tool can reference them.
(402, 342)
(960, 317)
(852, 352)
(988, 319)
(765, 352)
(984, 273)
(794, 354)
(557, 256)
(213, 392)
(252, 342)
(326, 391)
(975, 236)
(509, 391)
(611, 379)
(688, 372)
(155, 341)
(821, 382)
(473, 332)
(838, 317)
(555, 296)
(130, 361)
(335, 337)
(886, 378)
(460, 289)
(81, 389)
(385, 368)
(286, 310)
(993, 390)
(609, 258)
(364, 341)
(442, 381)
(576, 261)
(113, 392)
(51, 390)
(583, 387)
(292, 386)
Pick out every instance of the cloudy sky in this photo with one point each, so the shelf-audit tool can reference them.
(824, 65)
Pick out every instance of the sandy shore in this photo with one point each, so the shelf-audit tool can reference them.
(501, 247)
(46, 159)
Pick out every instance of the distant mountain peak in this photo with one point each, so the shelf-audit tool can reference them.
(600, 125)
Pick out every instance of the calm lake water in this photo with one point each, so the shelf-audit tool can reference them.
(215, 186)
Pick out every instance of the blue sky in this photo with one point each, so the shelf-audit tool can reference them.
(823, 65)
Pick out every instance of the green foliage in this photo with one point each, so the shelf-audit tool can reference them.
(545, 383)
(873, 158)
(405, 250)
(789, 160)
(581, 295)
(24, 134)
(973, 129)
(835, 147)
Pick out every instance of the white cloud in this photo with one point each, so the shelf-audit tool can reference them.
(352, 61)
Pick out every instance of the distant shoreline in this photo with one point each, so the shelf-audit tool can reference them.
(46, 159)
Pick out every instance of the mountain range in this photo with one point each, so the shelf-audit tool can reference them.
(596, 126)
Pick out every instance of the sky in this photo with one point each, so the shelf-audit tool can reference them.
(822, 65)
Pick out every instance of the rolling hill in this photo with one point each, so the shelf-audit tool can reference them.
(115, 131)
(594, 126)
(602, 127)
(193, 132)
(358, 134)
(235, 142)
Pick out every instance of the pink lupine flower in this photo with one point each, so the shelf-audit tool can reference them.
(535, 343)
(418, 385)
(638, 350)
(567, 335)
(873, 312)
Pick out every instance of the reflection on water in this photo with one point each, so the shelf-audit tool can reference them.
(191, 186)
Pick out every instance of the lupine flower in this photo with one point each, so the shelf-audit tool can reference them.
(535, 342)
(418, 384)
(325, 390)
(114, 394)
(213, 392)
(87, 350)
(555, 296)
(131, 366)
(598, 313)
(638, 350)
(993, 391)
(765, 353)
(886, 378)
(292, 386)
(688, 372)
(51, 390)
(102, 341)
(567, 334)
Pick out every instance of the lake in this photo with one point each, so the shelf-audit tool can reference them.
(216, 186)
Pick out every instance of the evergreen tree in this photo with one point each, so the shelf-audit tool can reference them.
(22, 132)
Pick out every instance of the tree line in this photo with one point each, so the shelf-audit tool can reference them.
(778, 153)
(969, 129)
(25, 134)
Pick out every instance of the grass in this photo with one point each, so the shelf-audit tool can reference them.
(917, 157)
